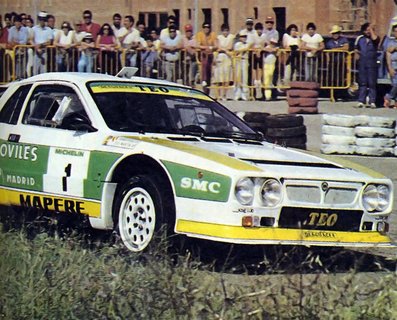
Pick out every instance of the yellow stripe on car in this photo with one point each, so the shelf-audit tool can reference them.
(203, 153)
(277, 234)
(145, 89)
(50, 202)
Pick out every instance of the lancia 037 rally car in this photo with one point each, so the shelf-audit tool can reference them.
(136, 153)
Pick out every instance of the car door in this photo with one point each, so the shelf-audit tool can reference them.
(68, 151)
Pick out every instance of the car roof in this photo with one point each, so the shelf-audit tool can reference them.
(82, 78)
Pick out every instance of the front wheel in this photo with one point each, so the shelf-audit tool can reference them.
(139, 212)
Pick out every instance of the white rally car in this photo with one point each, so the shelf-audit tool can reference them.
(134, 154)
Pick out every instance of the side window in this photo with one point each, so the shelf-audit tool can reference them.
(12, 108)
(49, 104)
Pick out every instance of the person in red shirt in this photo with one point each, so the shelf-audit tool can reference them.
(89, 26)
(5, 62)
(3, 37)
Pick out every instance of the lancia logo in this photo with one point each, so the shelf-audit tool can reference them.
(324, 186)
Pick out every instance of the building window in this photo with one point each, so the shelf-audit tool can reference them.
(207, 15)
(256, 13)
(189, 14)
(225, 13)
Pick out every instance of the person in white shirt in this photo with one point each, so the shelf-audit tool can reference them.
(312, 43)
(241, 50)
(118, 30)
(249, 30)
(171, 46)
(64, 42)
(171, 21)
(269, 31)
(42, 37)
(291, 42)
(131, 42)
(224, 60)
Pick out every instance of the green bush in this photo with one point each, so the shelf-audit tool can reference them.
(52, 278)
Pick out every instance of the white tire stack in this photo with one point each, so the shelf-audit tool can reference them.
(363, 135)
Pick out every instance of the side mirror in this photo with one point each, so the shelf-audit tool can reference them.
(78, 122)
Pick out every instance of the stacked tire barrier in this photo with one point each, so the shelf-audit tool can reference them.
(302, 97)
(361, 135)
(256, 120)
(282, 129)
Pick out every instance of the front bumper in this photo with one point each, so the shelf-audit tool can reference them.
(274, 235)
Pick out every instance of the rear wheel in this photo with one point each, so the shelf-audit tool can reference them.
(139, 212)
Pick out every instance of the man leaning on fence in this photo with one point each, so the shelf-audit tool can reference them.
(171, 45)
(42, 37)
(18, 37)
(339, 45)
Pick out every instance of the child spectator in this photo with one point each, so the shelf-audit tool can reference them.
(86, 61)
(149, 58)
(259, 41)
(241, 49)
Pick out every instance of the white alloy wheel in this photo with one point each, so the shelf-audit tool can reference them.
(137, 219)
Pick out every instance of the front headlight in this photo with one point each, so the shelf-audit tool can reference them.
(244, 191)
(271, 193)
(376, 197)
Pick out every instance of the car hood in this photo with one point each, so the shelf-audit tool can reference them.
(270, 158)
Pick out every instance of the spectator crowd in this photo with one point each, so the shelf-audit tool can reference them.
(246, 60)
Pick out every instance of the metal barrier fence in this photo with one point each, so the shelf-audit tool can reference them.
(248, 74)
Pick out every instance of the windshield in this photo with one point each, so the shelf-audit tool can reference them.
(146, 108)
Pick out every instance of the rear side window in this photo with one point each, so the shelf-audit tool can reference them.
(11, 110)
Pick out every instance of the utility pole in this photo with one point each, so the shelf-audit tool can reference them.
(196, 11)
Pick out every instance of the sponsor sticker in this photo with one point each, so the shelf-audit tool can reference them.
(195, 183)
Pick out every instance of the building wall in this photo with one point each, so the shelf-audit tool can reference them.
(324, 13)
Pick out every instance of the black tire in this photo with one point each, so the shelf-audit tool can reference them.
(143, 214)
(283, 121)
(256, 116)
(258, 126)
(286, 132)
(290, 141)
